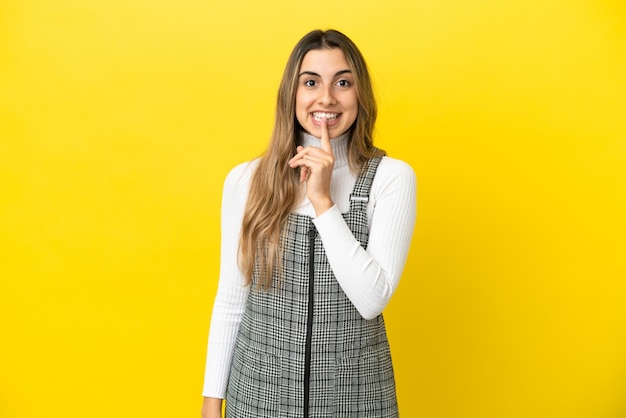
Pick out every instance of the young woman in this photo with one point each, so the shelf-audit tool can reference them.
(315, 235)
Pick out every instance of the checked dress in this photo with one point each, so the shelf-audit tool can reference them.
(303, 350)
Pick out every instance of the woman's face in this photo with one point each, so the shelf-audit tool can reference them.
(326, 90)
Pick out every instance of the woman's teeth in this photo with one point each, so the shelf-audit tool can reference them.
(318, 116)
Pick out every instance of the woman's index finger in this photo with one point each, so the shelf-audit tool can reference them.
(326, 137)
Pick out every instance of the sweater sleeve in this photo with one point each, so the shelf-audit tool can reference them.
(370, 277)
(231, 293)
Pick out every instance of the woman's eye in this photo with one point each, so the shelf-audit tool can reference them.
(309, 83)
(343, 83)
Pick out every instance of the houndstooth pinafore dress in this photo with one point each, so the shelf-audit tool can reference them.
(303, 350)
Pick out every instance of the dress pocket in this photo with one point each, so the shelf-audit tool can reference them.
(254, 386)
(365, 387)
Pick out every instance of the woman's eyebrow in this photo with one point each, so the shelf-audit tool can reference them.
(314, 74)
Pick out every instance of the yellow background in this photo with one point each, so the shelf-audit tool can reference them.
(119, 120)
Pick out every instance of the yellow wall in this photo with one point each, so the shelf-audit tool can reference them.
(119, 120)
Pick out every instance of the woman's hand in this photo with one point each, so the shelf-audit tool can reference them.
(212, 408)
(316, 169)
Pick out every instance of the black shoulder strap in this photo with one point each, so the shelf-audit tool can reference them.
(361, 191)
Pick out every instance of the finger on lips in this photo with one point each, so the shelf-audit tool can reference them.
(312, 154)
(326, 137)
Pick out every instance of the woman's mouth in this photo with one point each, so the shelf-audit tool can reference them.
(330, 117)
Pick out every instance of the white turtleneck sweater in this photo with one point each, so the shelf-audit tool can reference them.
(368, 277)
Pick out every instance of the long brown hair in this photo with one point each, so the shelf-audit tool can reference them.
(275, 187)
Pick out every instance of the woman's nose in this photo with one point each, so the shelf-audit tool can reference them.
(326, 97)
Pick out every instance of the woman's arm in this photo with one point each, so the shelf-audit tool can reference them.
(369, 278)
(231, 293)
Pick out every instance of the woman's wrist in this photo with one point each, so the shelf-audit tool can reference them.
(322, 206)
(212, 407)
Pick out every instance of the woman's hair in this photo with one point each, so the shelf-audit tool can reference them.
(275, 187)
